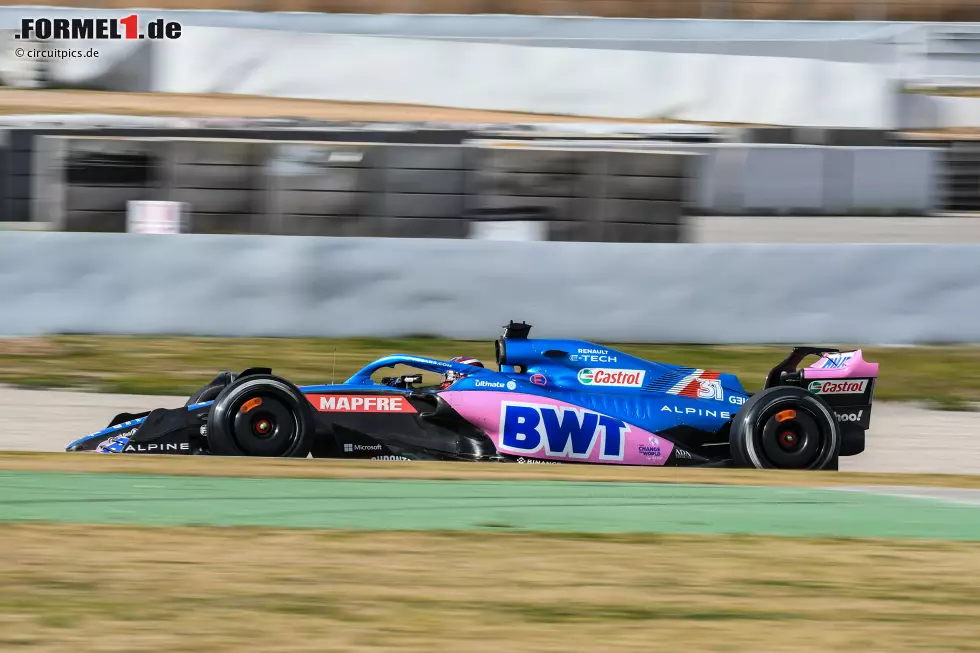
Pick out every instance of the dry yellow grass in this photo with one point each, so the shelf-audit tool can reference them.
(181, 365)
(94, 588)
(14, 101)
(22, 101)
(370, 469)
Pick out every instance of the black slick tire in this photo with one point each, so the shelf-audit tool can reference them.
(260, 415)
(785, 427)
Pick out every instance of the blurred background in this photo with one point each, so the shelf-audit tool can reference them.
(574, 120)
(468, 127)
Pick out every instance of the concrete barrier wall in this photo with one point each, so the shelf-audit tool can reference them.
(610, 83)
(948, 229)
(761, 72)
(762, 179)
(290, 286)
(570, 81)
(919, 111)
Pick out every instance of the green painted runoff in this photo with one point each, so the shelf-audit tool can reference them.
(466, 505)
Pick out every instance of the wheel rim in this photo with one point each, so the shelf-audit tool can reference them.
(266, 428)
(792, 442)
(263, 428)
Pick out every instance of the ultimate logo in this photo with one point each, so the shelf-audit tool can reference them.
(65, 29)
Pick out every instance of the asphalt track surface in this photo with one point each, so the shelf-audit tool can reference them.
(902, 438)
(555, 506)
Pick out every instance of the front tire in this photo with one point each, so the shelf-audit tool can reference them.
(260, 415)
(785, 427)
(211, 391)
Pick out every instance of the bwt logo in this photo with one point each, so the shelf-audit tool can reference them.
(562, 432)
(64, 29)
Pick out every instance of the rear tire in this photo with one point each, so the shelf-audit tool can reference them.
(785, 427)
(260, 415)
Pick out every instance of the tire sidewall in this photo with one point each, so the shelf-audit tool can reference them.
(745, 429)
(220, 431)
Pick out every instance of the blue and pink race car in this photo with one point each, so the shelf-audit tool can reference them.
(549, 401)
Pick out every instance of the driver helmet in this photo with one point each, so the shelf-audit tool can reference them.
(451, 376)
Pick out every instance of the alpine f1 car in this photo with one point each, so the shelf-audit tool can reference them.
(549, 401)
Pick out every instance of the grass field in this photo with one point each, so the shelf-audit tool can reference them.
(944, 376)
(946, 91)
(18, 101)
(209, 590)
(67, 101)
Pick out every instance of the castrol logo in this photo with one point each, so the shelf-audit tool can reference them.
(611, 378)
(838, 387)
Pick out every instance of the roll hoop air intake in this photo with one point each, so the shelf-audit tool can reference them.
(512, 331)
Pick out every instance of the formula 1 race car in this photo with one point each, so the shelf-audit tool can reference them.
(551, 401)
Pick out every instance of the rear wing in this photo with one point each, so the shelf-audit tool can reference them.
(843, 379)
(789, 365)
(842, 365)
(833, 364)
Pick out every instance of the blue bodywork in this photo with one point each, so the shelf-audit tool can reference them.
(653, 396)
